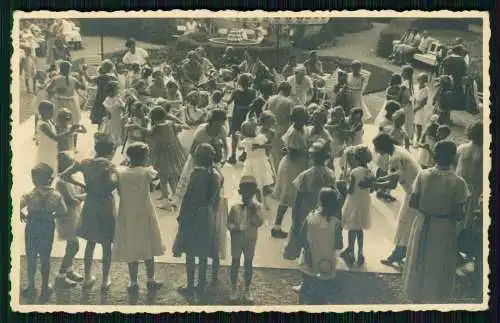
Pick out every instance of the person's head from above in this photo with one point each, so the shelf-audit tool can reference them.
(459, 41)
(350, 157)
(217, 119)
(138, 110)
(311, 108)
(200, 51)
(64, 161)
(64, 68)
(433, 119)
(398, 119)
(356, 67)
(267, 119)
(158, 77)
(141, 87)
(42, 175)
(217, 96)
(244, 80)
(342, 77)
(298, 117)
(167, 69)
(136, 68)
(137, 154)
(130, 44)
(285, 88)
(396, 80)
(445, 153)
(319, 83)
(423, 79)
(249, 129)
(313, 56)
(130, 96)
(458, 50)
(300, 72)
(407, 72)
(363, 155)
(319, 118)
(475, 133)
(112, 88)
(191, 55)
(337, 114)
(267, 88)
(330, 201)
(204, 155)
(46, 110)
(390, 108)
(319, 152)
(107, 66)
(247, 188)
(229, 50)
(146, 72)
(120, 68)
(158, 115)
(235, 71)
(172, 87)
(203, 99)
(63, 118)
(384, 144)
(104, 146)
(356, 115)
(443, 132)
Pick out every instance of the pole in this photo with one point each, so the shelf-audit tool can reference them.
(102, 42)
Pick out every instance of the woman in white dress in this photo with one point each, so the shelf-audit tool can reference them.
(422, 108)
(47, 136)
(62, 90)
(403, 169)
(407, 99)
(357, 80)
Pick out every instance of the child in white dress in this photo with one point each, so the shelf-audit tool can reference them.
(427, 142)
(422, 106)
(115, 108)
(356, 211)
(257, 163)
(137, 233)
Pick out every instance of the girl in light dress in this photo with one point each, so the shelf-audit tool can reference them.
(356, 215)
(137, 233)
(393, 93)
(439, 196)
(291, 165)
(422, 108)
(427, 142)
(317, 132)
(267, 120)
(408, 97)
(174, 97)
(398, 132)
(113, 123)
(47, 136)
(257, 162)
(62, 91)
(339, 130)
(357, 81)
(356, 124)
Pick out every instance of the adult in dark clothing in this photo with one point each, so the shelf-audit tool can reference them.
(455, 66)
(106, 75)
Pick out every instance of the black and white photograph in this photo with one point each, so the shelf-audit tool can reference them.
(176, 161)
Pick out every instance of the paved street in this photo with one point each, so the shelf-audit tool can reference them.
(378, 240)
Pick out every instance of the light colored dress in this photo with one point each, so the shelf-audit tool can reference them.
(257, 163)
(289, 169)
(66, 226)
(429, 273)
(115, 125)
(425, 157)
(356, 211)
(382, 161)
(402, 163)
(65, 96)
(137, 233)
(356, 86)
(47, 148)
(409, 112)
(422, 115)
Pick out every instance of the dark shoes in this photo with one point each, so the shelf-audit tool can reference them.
(279, 234)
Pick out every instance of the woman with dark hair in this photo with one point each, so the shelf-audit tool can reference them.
(440, 196)
(196, 236)
(214, 133)
(62, 92)
(403, 169)
(106, 74)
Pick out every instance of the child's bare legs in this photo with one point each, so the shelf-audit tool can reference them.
(150, 273)
(360, 237)
(248, 272)
(65, 271)
(277, 232)
(106, 265)
(27, 84)
(31, 259)
(234, 147)
(215, 270)
(190, 271)
(202, 273)
(44, 253)
(133, 270)
(348, 253)
(235, 266)
(89, 280)
(418, 133)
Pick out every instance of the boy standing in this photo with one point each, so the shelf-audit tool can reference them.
(244, 220)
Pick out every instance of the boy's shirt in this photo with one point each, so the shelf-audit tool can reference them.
(246, 219)
(44, 199)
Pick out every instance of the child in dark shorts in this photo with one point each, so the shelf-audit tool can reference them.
(43, 204)
(244, 220)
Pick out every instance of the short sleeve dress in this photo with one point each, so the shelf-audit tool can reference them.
(137, 235)
(356, 210)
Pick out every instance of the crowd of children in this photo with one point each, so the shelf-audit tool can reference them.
(311, 158)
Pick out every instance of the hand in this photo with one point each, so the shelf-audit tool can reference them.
(74, 128)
